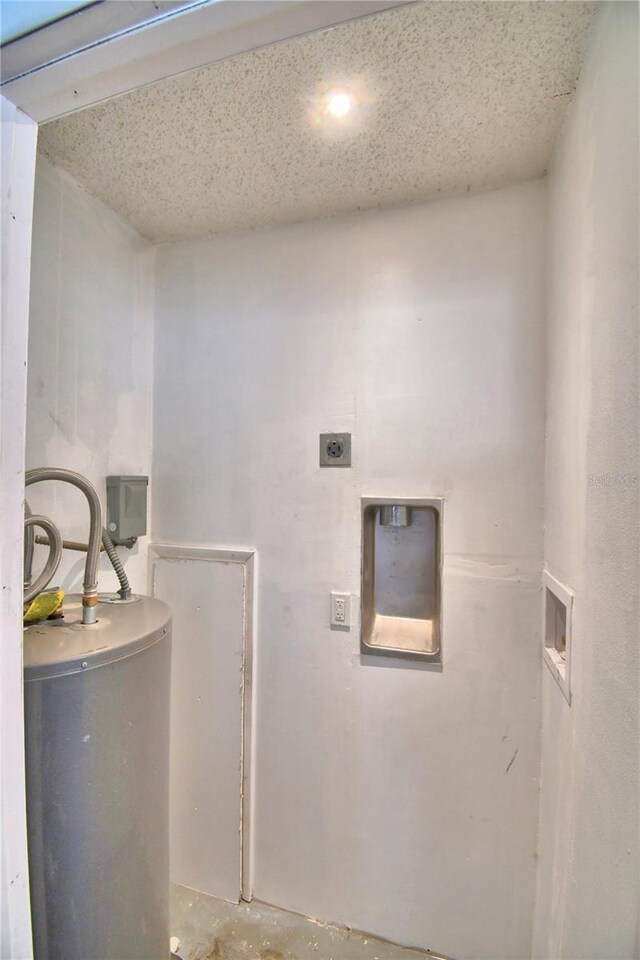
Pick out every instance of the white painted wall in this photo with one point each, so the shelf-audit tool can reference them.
(90, 360)
(383, 797)
(398, 799)
(18, 157)
(207, 680)
(588, 881)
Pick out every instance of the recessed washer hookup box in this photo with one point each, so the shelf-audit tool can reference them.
(401, 590)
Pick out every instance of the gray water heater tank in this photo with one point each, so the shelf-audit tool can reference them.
(97, 766)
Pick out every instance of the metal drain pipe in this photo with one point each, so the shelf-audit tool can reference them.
(109, 547)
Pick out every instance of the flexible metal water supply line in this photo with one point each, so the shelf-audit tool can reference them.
(90, 584)
(29, 543)
(55, 553)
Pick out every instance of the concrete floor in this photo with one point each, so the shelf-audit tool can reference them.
(210, 929)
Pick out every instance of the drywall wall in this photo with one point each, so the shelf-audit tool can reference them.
(588, 883)
(389, 796)
(89, 398)
(207, 668)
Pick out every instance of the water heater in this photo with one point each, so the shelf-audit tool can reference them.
(97, 756)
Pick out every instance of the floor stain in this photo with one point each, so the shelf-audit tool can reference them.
(211, 929)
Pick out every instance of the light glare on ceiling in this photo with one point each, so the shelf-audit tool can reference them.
(339, 104)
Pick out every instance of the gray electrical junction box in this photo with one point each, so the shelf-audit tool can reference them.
(126, 507)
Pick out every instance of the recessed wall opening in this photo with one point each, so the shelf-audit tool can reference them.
(401, 556)
(556, 623)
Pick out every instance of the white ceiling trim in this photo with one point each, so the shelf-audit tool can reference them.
(172, 45)
(78, 30)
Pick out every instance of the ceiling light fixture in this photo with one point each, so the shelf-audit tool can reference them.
(339, 107)
(339, 104)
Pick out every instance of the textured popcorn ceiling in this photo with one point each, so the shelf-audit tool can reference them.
(452, 96)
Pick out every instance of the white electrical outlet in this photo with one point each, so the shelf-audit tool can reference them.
(341, 610)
